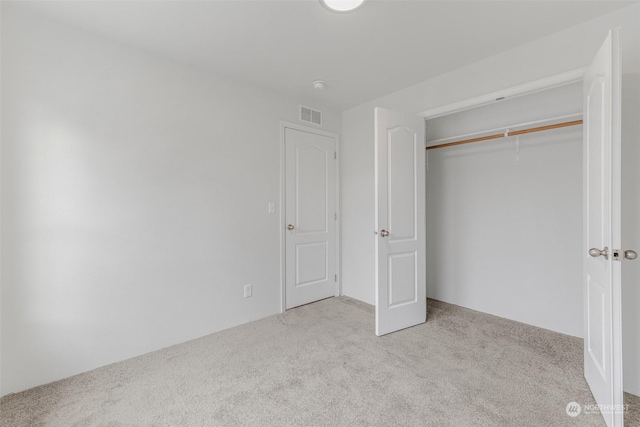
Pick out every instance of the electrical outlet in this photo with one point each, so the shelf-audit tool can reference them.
(248, 291)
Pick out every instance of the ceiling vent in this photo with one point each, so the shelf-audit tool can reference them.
(310, 115)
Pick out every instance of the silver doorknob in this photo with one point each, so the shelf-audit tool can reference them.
(630, 255)
(384, 233)
(290, 227)
(595, 252)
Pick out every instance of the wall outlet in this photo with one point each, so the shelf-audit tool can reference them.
(248, 291)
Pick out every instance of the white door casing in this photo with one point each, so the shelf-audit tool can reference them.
(310, 216)
(602, 210)
(400, 211)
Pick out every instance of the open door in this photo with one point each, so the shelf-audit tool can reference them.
(602, 279)
(400, 221)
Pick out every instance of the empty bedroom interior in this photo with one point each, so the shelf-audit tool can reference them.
(142, 176)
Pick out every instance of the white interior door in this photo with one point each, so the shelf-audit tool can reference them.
(602, 281)
(400, 221)
(310, 217)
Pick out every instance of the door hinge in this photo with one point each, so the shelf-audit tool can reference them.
(335, 277)
(335, 216)
(335, 155)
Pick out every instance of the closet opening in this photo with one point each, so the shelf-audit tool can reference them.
(504, 212)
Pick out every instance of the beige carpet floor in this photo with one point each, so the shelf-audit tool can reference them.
(322, 365)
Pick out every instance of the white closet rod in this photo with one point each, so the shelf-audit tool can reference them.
(536, 122)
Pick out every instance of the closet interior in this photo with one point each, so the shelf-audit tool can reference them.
(504, 208)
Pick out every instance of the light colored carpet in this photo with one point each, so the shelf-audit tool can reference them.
(322, 365)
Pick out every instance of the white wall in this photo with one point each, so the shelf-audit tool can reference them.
(564, 51)
(631, 231)
(134, 201)
(357, 204)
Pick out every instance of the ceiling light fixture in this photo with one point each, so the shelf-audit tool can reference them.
(319, 84)
(342, 6)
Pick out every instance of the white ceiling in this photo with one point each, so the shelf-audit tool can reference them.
(285, 45)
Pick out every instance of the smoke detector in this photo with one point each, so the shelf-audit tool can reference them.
(342, 6)
(319, 84)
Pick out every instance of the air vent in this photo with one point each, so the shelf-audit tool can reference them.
(310, 115)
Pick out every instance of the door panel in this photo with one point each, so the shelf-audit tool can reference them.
(310, 246)
(402, 271)
(602, 280)
(596, 324)
(599, 164)
(311, 263)
(311, 188)
(402, 186)
(400, 212)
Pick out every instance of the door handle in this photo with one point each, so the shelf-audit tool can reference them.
(630, 255)
(384, 233)
(290, 227)
(595, 252)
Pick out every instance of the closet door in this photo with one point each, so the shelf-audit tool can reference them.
(602, 280)
(400, 221)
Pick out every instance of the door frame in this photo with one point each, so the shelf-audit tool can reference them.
(561, 79)
(282, 205)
